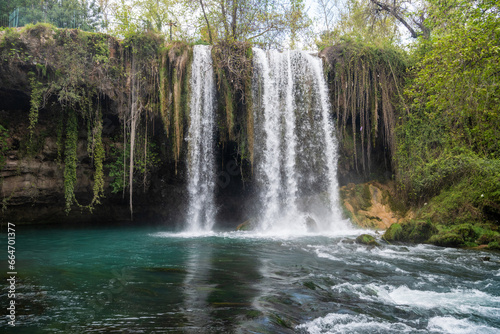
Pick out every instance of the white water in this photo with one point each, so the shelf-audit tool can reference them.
(201, 165)
(295, 149)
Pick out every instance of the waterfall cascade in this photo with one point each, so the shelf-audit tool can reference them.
(201, 142)
(295, 149)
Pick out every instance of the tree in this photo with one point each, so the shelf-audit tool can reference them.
(453, 126)
(412, 15)
(264, 22)
(357, 22)
(329, 12)
(81, 14)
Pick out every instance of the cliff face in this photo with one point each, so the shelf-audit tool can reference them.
(32, 185)
(73, 105)
(67, 99)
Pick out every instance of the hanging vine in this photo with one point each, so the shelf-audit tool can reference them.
(174, 97)
(363, 81)
(233, 68)
(70, 160)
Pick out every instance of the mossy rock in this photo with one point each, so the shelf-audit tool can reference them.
(411, 231)
(456, 236)
(358, 196)
(449, 239)
(366, 239)
(312, 225)
(393, 233)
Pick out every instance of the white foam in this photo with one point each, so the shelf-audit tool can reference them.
(264, 235)
(184, 234)
(457, 300)
(463, 301)
(347, 323)
(458, 326)
(326, 255)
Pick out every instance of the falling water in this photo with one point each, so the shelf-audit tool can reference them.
(295, 146)
(201, 168)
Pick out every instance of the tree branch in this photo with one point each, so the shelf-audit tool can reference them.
(262, 33)
(394, 12)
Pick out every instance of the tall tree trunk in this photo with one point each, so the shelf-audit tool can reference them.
(224, 17)
(206, 20)
(234, 19)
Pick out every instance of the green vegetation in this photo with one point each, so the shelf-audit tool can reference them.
(448, 152)
(4, 145)
(429, 113)
(70, 160)
(233, 64)
(365, 84)
(73, 73)
(175, 72)
(412, 231)
(366, 239)
(356, 21)
(144, 163)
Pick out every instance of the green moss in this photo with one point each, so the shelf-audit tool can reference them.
(462, 235)
(363, 81)
(37, 92)
(98, 156)
(70, 160)
(366, 239)
(36, 30)
(411, 231)
(364, 196)
(393, 233)
(447, 239)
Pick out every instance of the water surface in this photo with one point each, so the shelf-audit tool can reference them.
(148, 280)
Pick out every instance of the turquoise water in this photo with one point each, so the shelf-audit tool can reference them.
(147, 280)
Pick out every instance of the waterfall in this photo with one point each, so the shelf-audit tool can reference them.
(295, 148)
(201, 155)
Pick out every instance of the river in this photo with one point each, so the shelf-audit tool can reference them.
(149, 280)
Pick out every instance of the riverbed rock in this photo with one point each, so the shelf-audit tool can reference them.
(413, 231)
(366, 239)
(312, 225)
(370, 205)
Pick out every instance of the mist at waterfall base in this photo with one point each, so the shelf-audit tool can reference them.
(295, 148)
